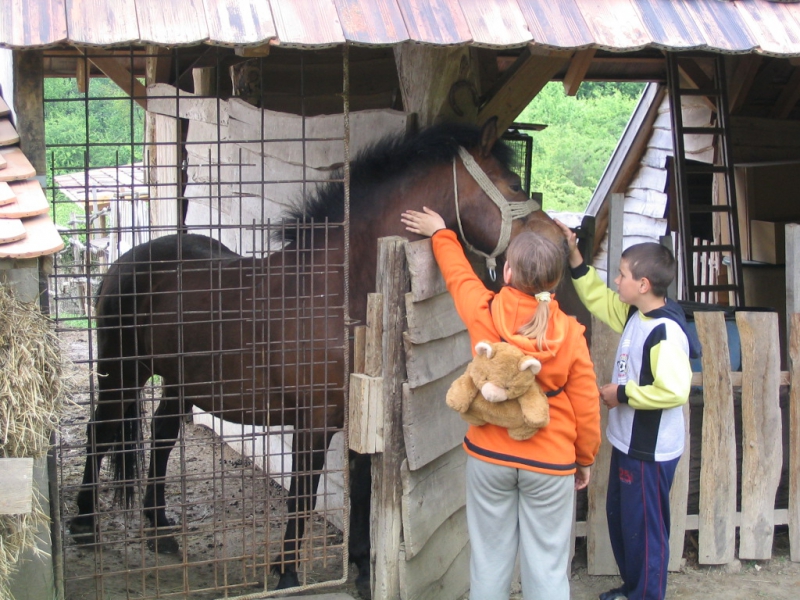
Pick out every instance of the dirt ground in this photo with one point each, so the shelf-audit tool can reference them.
(234, 521)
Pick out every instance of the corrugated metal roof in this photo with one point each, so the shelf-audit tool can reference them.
(741, 26)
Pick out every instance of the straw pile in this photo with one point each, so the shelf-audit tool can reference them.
(32, 392)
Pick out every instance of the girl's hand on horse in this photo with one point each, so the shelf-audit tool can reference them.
(575, 258)
(424, 223)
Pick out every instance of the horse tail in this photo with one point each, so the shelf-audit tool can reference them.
(127, 456)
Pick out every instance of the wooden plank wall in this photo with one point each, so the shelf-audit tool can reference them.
(434, 553)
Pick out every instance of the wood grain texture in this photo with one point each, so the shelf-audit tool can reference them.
(430, 427)
(307, 23)
(600, 557)
(437, 358)
(556, 24)
(41, 238)
(386, 515)
(762, 454)
(372, 21)
(774, 26)
(237, 22)
(100, 22)
(495, 24)
(366, 414)
(16, 486)
(441, 570)
(8, 134)
(29, 200)
(431, 495)
(373, 356)
(32, 24)
(794, 438)
(426, 279)
(678, 500)
(717, 504)
(172, 22)
(18, 166)
(438, 22)
(432, 319)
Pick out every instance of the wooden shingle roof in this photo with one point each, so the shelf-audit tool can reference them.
(744, 26)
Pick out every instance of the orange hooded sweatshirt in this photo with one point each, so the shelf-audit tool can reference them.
(573, 434)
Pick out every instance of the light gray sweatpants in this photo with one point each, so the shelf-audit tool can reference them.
(510, 509)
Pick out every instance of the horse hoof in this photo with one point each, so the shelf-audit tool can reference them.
(363, 588)
(288, 580)
(82, 530)
(165, 544)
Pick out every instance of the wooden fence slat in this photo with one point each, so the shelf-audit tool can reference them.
(436, 359)
(600, 557)
(16, 486)
(439, 487)
(441, 570)
(430, 427)
(762, 454)
(432, 319)
(717, 504)
(794, 438)
(373, 361)
(426, 279)
(679, 499)
(386, 525)
(366, 414)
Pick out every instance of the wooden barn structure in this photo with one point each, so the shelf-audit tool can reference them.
(237, 93)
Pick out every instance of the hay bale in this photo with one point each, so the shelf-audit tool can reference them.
(32, 393)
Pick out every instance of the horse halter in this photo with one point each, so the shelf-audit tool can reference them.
(508, 210)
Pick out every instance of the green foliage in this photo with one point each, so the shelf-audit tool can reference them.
(570, 155)
(105, 124)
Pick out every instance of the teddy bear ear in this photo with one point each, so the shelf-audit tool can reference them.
(530, 363)
(484, 349)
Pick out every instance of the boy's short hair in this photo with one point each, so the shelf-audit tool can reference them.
(653, 262)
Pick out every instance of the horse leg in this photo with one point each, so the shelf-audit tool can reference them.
(166, 427)
(105, 430)
(308, 451)
(360, 494)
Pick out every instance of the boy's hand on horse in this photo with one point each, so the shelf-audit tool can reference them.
(575, 258)
(424, 223)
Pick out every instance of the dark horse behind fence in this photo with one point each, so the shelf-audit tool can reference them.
(263, 340)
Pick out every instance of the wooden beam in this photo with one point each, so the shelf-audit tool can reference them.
(794, 424)
(789, 97)
(112, 69)
(742, 80)
(158, 65)
(578, 67)
(696, 78)
(28, 104)
(252, 51)
(519, 86)
(82, 75)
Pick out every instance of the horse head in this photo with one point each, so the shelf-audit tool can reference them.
(480, 172)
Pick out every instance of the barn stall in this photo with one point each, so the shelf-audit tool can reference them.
(417, 79)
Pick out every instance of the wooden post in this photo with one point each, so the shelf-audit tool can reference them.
(600, 557)
(386, 526)
(616, 218)
(679, 499)
(762, 454)
(29, 105)
(794, 437)
(717, 519)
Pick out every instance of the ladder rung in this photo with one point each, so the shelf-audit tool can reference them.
(706, 168)
(710, 92)
(703, 131)
(712, 248)
(729, 287)
(709, 208)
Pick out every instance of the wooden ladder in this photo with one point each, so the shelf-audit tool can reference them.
(726, 224)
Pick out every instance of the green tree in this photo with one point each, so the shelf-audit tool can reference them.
(569, 156)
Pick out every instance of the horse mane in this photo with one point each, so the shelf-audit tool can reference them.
(386, 159)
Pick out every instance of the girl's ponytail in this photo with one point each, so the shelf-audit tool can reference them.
(537, 265)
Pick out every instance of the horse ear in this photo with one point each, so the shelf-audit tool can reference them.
(484, 349)
(488, 137)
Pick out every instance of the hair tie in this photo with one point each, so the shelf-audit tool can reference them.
(543, 297)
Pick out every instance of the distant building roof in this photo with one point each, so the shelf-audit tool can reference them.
(744, 26)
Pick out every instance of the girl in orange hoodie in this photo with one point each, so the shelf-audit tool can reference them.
(520, 493)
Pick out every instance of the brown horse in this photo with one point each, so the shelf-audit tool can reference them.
(264, 340)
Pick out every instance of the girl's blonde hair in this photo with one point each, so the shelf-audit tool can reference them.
(537, 265)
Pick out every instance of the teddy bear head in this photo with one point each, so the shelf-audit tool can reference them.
(502, 371)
